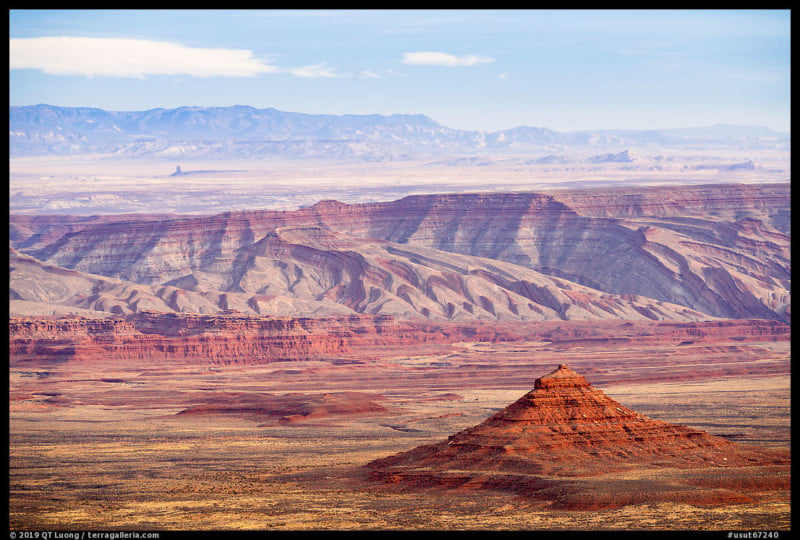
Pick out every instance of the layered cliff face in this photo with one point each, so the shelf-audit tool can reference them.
(722, 251)
(371, 276)
(312, 272)
(564, 428)
(151, 338)
(765, 202)
(703, 248)
(37, 288)
(226, 339)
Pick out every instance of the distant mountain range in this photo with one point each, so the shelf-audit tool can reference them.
(246, 132)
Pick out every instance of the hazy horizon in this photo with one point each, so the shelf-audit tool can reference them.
(488, 70)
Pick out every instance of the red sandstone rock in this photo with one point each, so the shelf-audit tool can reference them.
(565, 428)
(152, 337)
(158, 337)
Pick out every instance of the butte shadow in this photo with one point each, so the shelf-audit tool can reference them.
(570, 446)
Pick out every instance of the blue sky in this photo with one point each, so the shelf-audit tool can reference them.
(482, 69)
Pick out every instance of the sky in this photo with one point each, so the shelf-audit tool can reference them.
(469, 69)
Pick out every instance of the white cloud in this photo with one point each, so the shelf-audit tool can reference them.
(137, 58)
(444, 59)
(367, 74)
(316, 71)
(503, 76)
(113, 57)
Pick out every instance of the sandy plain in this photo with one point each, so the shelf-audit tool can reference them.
(104, 446)
(110, 184)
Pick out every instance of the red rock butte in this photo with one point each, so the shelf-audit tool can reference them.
(566, 428)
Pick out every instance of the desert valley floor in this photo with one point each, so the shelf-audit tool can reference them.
(111, 445)
(609, 358)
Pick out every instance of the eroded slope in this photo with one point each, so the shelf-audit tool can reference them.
(720, 250)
